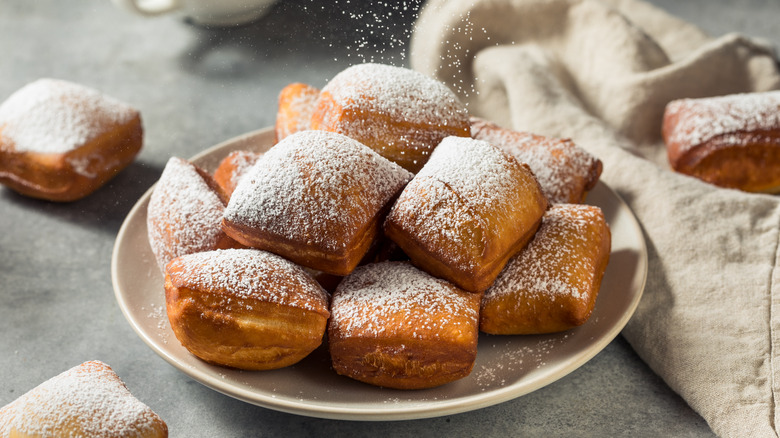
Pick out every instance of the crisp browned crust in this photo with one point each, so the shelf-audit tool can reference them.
(53, 177)
(466, 231)
(395, 326)
(233, 318)
(552, 284)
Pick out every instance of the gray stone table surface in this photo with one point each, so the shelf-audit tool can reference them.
(196, 87)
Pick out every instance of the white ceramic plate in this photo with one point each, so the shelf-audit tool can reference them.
(506, 367)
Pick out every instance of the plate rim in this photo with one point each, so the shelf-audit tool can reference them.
(321, 410)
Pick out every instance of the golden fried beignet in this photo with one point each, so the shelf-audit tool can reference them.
(565, 171)
(466, 212)
(88, 400)
(185, 213)
(552, 284)
(730, 141)
(232, 168)
(400, 113)
(317, 198)
(396, 326)
(245, 308)
(296, 103)
(61, 141)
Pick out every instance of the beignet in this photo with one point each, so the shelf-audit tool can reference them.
(244, 308)
(61, 141)
(232, 168)
(552, 284)
(565, 171)
(296, 103)
(88, 400)
(730, 141)
(185, 213)
(395, 326)
(469, 209)
(400, 113)
(317, 198)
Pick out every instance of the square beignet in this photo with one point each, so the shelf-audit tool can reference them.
(245, 308)
(395, 326)
(469, 209)
(565, 171)
(61, 141)
(400, 113)
(88, 400)
(184, 215)
(730, 141)
(317, 198)
(552, 284)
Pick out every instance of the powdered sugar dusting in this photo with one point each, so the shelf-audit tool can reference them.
(88, 399)
(296, 103)
(563, 169)
(464, 179)
(474, 169)
(315, 186)
(551, 264)
(184, 213)
(249, 273)
(55, 116)
(378, 299)
(700, 120)
(399, 93)
(400, 113)
(513, 361)
(234, 167)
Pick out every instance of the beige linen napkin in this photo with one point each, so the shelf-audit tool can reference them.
(601, 72)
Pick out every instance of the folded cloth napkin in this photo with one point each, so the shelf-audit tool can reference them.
(601, 72)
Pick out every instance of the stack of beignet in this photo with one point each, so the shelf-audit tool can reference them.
(411, 259)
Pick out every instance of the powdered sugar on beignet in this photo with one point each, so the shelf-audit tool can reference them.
(87, 401)
(250, 273)
(185, 213)
(565, 171)
(400, 113)
(395, 298)
(466, 212)
(552, 284)
(244, 308)
(700, 120)
(396, 326)
(55, 116)
(317, 198)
